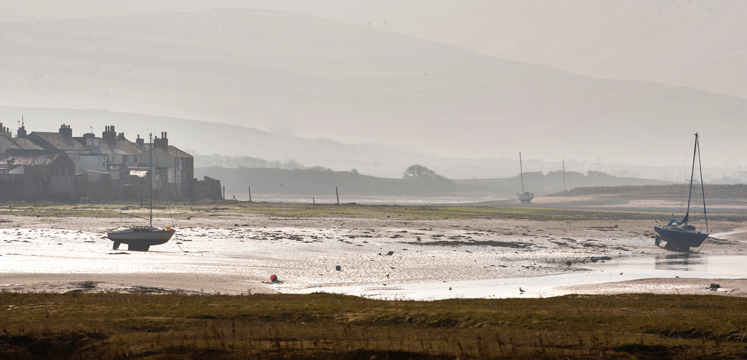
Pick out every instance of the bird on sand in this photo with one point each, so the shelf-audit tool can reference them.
(521, 291)
(449, 288)
(621, 273)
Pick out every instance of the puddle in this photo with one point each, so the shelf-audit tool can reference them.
(625, 269)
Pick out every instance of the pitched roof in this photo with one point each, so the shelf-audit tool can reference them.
(58, 141)
(6, 143)
(129, 148)
(119, 147)
(33, 157)
(176, 152)
(27, 144)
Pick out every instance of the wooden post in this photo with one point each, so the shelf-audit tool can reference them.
(338, 196)
(250, 194)
(224, 193)
(313, 201)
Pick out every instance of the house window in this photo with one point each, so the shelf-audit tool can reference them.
(89, 142)
(95, 142)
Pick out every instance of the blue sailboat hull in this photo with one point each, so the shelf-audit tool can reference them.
(679, 237)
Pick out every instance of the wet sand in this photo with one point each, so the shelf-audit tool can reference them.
(668, 286)
(236, 253)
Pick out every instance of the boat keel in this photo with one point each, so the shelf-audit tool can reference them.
(138, 247)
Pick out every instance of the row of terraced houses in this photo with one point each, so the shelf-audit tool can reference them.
(41, 165)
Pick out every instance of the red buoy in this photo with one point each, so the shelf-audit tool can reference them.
(273, 278)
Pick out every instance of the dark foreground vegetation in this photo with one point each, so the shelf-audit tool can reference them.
(320, 326)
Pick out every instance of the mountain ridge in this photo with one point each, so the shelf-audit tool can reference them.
(295, 74)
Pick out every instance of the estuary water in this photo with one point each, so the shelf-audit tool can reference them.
(616, 270)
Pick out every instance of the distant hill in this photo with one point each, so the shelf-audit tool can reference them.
(237, 145)
(296, 74)
(311, 181)
(677, 191)
(548, 183)
(317, 181)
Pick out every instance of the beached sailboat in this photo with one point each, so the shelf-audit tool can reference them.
(679, 235)
(141, 238)
(524, 196)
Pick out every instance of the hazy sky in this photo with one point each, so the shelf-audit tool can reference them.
(625, 81)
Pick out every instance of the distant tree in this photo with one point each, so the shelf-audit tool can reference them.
(421, 173)
(291, 164)
(318, 168)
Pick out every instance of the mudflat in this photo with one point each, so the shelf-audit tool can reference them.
(234, 247)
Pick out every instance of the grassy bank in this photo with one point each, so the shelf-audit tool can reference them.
(116, 326)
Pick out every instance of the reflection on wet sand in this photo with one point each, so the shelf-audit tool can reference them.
(681, 262)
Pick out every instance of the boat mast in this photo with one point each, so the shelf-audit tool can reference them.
(521, 173)
(702, 184)
(150, 178)
(692, 174)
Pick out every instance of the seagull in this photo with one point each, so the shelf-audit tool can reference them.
(521, 291)
(449, 288)
(677, 276)
(621, 273)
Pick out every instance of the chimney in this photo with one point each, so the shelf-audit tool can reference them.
(109, 135)
(21, 133)
(120, 136)
(3, 129)
(162, 143)
(140, 142)
(66, 131)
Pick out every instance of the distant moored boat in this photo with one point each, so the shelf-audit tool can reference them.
(524, 196)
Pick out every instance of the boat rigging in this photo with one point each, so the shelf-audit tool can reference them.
(679, 235)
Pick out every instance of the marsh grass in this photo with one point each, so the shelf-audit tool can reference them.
(324, 326)
(393, 212)
(182, 210)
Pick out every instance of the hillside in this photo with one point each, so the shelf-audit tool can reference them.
(692, 44)
(303, 75)
(720, 193)
(320, 181)
(549, 183)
